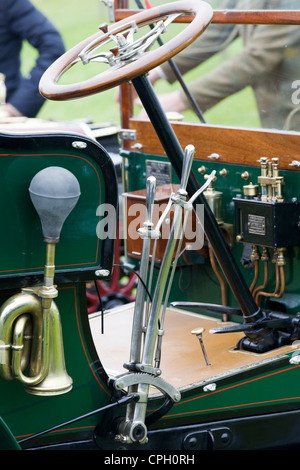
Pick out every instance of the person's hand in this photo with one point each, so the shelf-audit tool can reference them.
(9, 114)
(153, 76)
(170, 102)
(11, 111)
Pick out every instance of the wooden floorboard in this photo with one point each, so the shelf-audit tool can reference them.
(182, 361)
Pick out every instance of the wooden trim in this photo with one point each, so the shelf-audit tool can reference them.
(257, 17)
(233, 145)
(235, 16)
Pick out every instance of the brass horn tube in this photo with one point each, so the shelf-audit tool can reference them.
(23, 329)
(39, 363)
(21, 304)
(49, 269)
(47, 374)
(57, 380)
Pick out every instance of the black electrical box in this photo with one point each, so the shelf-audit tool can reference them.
(270, 224)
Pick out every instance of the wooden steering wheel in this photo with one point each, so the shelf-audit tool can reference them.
(128, 58)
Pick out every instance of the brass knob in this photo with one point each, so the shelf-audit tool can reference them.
(245, 175)
(202, 170)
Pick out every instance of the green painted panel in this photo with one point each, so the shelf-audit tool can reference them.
(26, 414)
(22, 249)
(7, 440)
(195, 280)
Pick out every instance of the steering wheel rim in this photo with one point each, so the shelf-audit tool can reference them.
(50, 89)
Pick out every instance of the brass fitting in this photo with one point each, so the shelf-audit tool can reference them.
(270, 181)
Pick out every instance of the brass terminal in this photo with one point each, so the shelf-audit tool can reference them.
(223, 172)
(245, 175)
(270, 181)
(202, 169)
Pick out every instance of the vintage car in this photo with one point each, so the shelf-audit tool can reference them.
(204, 355)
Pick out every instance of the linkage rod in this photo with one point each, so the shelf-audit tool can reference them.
(122, 401)
(175, 154)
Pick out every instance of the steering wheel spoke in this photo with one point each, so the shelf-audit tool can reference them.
(129, 56)
(86, 55)
(127, 48)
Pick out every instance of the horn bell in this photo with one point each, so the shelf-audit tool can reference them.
(57, 380)
(31, 340)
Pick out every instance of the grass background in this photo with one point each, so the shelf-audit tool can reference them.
(75, 20)
(78, 19)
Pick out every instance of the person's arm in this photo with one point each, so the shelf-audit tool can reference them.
(215, 39)
(265, 50)
(33, 26)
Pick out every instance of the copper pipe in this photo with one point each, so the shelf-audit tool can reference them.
(265, 258)
(265, 283)
(282, 278)
(220, 279)
(256, 274)
(280, 284)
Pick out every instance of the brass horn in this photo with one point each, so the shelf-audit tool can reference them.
(30, 326)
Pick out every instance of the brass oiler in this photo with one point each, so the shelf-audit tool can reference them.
(214, 200)
(30, 325)
(250, 190)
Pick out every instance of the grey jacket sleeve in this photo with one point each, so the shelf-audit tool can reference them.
(265, 48)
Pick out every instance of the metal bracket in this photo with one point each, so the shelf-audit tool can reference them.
(127, 134)
(111, 9)
(214, 156)
(209, 439)
(126, 380)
